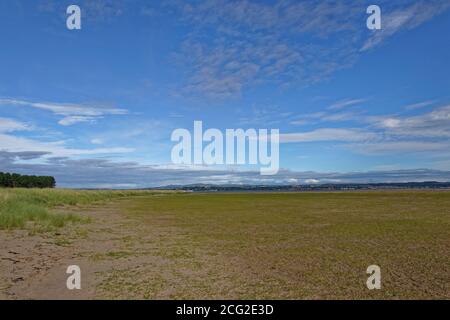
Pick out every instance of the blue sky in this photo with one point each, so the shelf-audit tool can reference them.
(96, 107)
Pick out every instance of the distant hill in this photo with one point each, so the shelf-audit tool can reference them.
(313, 187)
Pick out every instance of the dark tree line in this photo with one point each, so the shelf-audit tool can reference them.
(14, 180)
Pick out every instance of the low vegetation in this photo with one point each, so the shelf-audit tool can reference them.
(25, 208)
(304, 245)
(287, 246)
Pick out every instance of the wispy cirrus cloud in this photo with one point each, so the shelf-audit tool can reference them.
(346, 103)
(329, 134)
(393, 147)
(322, 116)
(16, 144)
(419, 105)
(24, 146)
(433, 124)
(238, 44)
(9, 125)
(71, 113)
(427, 133)
(405, 18)
(235, 45)
(92, 10)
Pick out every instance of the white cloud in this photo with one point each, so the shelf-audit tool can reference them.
(435, 124)
(96, 173)
(234, 45)
(405, 18)
(57, 148)
(9, 125)
(427, 133)
(97, 141)
(399, 147)
(68, 121)
(329, 134)
(255, 43)
(316, 117)
(419, 105)
(345, 103)
(72, 113)
(390, 123)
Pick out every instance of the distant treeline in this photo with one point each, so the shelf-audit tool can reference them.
(14, 180)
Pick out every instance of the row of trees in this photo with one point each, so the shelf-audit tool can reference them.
(14, 180)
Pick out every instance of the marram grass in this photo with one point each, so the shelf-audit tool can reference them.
(34, 208)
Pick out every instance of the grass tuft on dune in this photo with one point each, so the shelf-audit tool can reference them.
(25, 208)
